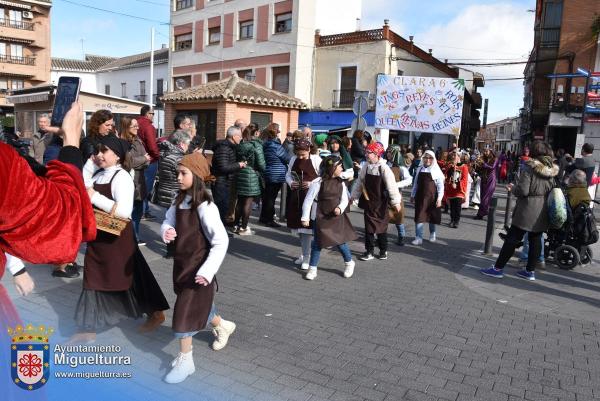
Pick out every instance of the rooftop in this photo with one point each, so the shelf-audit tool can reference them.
(234, 89)
(137, 60)
(91, 63)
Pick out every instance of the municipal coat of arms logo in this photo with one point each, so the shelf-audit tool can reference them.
(30, 356)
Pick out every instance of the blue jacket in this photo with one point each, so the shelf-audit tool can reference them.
(277, 159)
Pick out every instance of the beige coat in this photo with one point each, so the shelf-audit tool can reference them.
(535, 182)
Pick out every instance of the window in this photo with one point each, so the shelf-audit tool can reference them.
(159, 87)
(17, 84)
(246, 74)
(2, 49)
(107, 89)
(281, 79)
(3, 85)
(215, 76)
(16, 51)
(142, 88)
(181, 4)
(400, 73)
(15, 15)
(2, 14)
(246, 30)
(283, 23)
(347, 86)
(214, 35)
(123, 89)
(261, 119)
(182, 82)
(183, 42)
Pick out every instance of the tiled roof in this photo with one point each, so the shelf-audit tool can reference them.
(137, 60)
(91, 63)
(237, 90)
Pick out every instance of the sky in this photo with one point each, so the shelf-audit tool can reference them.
(459, 30)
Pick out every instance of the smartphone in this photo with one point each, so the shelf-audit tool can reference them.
(67, 92)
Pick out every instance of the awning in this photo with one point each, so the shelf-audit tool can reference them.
(562, 120)
(328, 129)
(15, 5)
(15, 40)
(29, 97)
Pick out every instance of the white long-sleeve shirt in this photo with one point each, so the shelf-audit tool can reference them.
(13, 264)
(407, 177)
(122, 190)
(314, 159)
(213, 229)
(309, 207)
(388, 179)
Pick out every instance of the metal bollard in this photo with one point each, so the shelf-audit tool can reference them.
(507, 215)
(491, 225)
(282, 202)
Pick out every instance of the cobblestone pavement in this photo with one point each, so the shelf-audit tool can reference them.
(422, 325)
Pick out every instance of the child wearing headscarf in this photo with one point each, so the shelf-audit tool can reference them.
(326, 205)
(338, 149)
(427, 195)
(377, 191)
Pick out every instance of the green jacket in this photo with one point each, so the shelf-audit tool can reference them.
(249, 180)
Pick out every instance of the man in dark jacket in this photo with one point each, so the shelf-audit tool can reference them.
(147, 133)
(225, 168)
(277, 159)
(584, 163)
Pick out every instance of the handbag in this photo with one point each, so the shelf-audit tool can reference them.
(109, 222)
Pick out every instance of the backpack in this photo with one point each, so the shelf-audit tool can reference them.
(584, 225)
(557, 208)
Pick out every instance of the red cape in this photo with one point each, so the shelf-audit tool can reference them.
(42, 219)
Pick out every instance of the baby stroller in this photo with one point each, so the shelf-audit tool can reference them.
(569, 245)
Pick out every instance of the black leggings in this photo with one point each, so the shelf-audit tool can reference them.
(382, 242)
(243, 210)
(513, 239)
(455, 209)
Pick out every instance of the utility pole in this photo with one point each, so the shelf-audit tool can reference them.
(82, 50)
(151, 102)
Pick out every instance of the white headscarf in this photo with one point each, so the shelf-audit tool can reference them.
(434, 169)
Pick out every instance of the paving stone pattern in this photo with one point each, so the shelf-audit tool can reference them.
(421, 325)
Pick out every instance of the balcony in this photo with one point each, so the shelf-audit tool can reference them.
(550, 37)
(344, 98)
(9, 23)
(140, 98)
(155, 98)
(17, 60)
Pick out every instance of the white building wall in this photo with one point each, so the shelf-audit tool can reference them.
(88, 79)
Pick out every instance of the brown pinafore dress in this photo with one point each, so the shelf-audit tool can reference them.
(376, 208)
(194, 301)
(109, 260)
(331, 229)
(306, 171)
(425, 200)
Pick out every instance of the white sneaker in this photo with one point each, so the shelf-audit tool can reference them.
(183, 367)
(349, 270)
(299, 260)
(222, 333)
(304, 266)
(174, 362)
(312, 273)
(417, 241)
(245, 231)
(432, 238)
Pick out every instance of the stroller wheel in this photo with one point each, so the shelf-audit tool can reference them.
(586, 255)
(566, 257)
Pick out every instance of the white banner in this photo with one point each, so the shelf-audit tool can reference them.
(421, 104)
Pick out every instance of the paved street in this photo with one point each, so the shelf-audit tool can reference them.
(422, 325)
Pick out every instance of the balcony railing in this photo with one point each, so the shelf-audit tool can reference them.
(140, 98)
(17, 60)
(155, 98)
(10, 23)
(344, 98)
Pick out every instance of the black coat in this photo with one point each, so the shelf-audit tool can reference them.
(168, 187)
(224, 165)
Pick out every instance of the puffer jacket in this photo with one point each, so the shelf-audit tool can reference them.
(535, 182)
(168, 187)
(249, 178)
(277, 159)
(224, 162)
(139, 164)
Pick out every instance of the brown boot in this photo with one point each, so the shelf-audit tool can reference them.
(153, 322)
